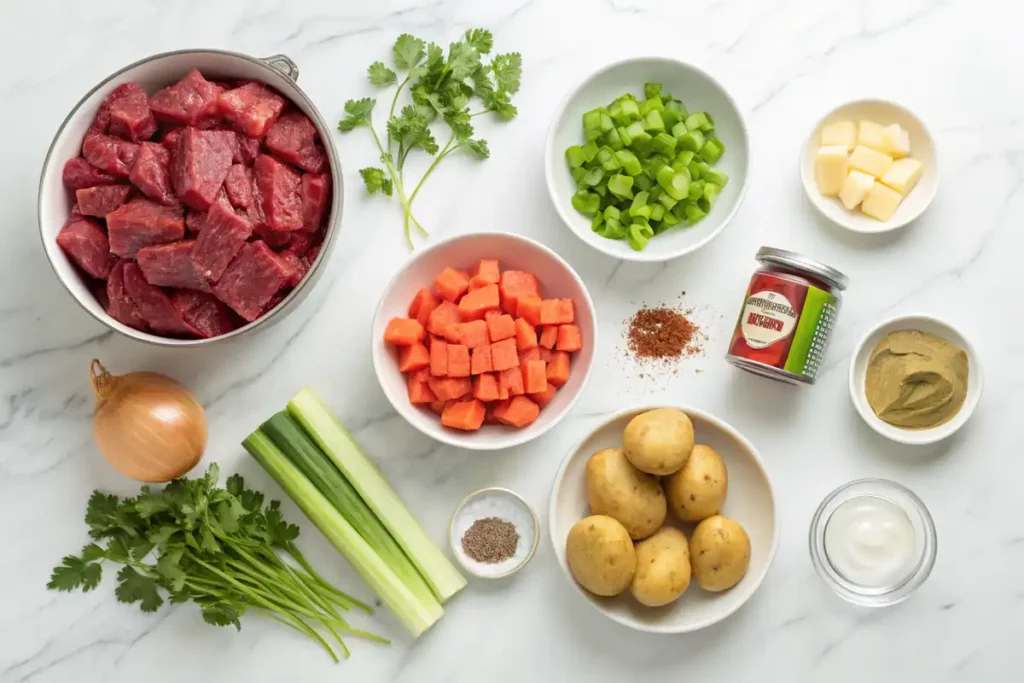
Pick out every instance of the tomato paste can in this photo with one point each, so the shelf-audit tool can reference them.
(784, 327)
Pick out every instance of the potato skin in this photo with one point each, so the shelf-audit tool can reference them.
(658, 441)
(621, 491)
(662, 568)
(600, 554)
(698, 490)
(719, 553)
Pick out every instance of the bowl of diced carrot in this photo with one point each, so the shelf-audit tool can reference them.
(484, 341)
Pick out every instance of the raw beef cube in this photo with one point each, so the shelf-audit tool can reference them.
(121, 306)
(80, 174)
(110, 154)
(170, 265)
(143, 223)
(199, 164)
(295, 267)
(152, 173)
(316, 191)
(170, 138)
(154, 306)
(313, 252)
(191, 101)
(300, 242)
(277, 188)
(203, 313)
(195, 220)
(252, 280)
(85, 243)
(100, 200)
(248, 149)
(274, 301)
(76, 211)
(101, 124)
(130, 116)
(99, 290)
(273, 238)
(230, 138)
(293, 138)
(251, 109)
(238, 185)
(223, 234)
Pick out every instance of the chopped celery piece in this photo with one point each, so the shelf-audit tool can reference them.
(711, 191)
(578, 174)
(709, 126)
(604, 154)
(639, 234)
(664, 143)
(653, 122)
(678, 164)
(643, 212)
(704, 205)
(696, 190)
(657, 212)
(613, 229)
(592, 124)
(677, 111)
(694, 213)
(669, 118)
(643, 182)
(624, 136)
(667, 201)
(654, 104)
(712, 176)
(575, 156)
(643, 145)
(652, 90)
(679, 129)
(669, 220)
(654, 163)
(612, 140)
(698, 120)
(596, 222)
(606, 122)
(630, 164)
(654, 192)
(691, 140)
(629, 111)
(586, 202)
(712, 150)
(684, 158)
(697, 169)
(601, 189)
(638, 201)
(612, 164)
(636, 130)
(589, 150)
(615, 110)
(621, 186)
(612, 213)
(593, 176)
(674, 183)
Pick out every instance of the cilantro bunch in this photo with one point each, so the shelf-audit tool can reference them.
(221, 548)
(441, 87)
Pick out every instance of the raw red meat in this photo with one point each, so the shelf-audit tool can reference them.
(300, 242)
(251, 280)
(316, 193)
(101, 123)
(79, 174)
(274, 301)
(238, 185)
(76, 212)
(203, 313)
(277, 190)
(99, 290)
(152, 173)
(251, 109)
(143, 223)
(130, 116)
(100, 200)
(199, 164)
(154, 306)
(293, 138)
(110, 154)
(313, 252)
(273, 238)
(294, 266)
(170, 138)
(85, 243)
(121, 306)
(223, 234)
(195, 220)
(191, 101)
(170, 265)
(248, 149)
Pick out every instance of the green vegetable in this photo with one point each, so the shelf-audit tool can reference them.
(575, 156)
(628, 161)
(220, 548)
(621, 186)
(586, 202)
(712, 150)
(691, 140)
(441, 87)
(664, 143)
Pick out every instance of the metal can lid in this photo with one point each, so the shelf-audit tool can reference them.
(790, 259)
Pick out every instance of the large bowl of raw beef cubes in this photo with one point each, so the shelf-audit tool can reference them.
(197, 207)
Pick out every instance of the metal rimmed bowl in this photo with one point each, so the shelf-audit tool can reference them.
(158, 71)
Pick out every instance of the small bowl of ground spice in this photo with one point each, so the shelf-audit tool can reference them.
(493, 533)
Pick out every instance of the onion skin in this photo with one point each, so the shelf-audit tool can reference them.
(147, 425)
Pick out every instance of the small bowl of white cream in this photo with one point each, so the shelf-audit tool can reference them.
(873, 542)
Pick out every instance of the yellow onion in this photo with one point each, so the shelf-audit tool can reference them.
(148, 426)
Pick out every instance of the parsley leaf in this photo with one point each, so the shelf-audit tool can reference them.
(508, 69)
(481, 40)
(381, 75)
(222, 614)
(74, 572)
(407, 52)
(478, 148)
(357, 114)
(375, 180)
(463, 60)
(134, 587)
(459, 122)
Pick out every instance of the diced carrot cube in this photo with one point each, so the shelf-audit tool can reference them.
(438, 406)
(480, 360)
(521, 411)
(511, 381)
(423, 305)
(526, 335)
(558, 368)
(488, 271)
(557, 312)
(504, 354)
(528, 308)
(465, 415)
(485, 387)
(544, 353)
(491, 315)
(474, 334)
(438, 357)
(449, 388)
(569, 338)
(548, 336)
(419, 388)
(501, 327)
(496, 411)
(529, 354)
(458, 360)
(475, 304)
(413, 357)
(445, 314)
(451, 283)
(535, 376)
(453, 333)
(403, 332)
(477, 283)
(516, 284)
(544, 397)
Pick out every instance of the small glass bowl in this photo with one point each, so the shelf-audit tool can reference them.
(925, 546)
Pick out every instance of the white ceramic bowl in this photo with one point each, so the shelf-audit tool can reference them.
(924, 323)
(154, 73)
(699, 92)
(750, 501)
(922, 148)
(514, 252)
(503, 504)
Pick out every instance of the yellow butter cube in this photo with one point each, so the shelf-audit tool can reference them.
(868, 160)
(881, 202)
(903, 175)
(855, 189)
(870, 135)
(895, 141)
(830, 168)
(839, 133)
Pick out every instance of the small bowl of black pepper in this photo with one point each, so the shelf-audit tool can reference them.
(493, 533)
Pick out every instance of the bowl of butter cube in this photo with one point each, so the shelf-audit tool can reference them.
(870, 166)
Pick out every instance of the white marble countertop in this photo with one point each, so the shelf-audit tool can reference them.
(954, 62)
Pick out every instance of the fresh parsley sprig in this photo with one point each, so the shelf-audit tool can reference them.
(441, 87)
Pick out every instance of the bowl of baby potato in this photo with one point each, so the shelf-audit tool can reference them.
(663, 519)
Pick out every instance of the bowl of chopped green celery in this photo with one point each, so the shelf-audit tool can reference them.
(647, 160)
